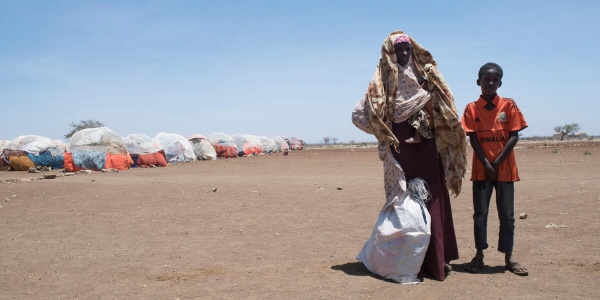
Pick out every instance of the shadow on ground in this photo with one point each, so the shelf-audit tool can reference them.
(359, 269)
(354, 269)
(460, 268)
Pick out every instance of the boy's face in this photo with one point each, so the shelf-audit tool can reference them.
(489, 81)
(403, 52)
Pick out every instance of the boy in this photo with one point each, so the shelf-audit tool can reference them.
(492, 124)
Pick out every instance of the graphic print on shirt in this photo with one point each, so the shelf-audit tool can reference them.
(492, 139)
(502, 117)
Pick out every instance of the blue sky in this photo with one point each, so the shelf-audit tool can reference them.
(292, 68)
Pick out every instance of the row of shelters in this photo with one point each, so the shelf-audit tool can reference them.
(101, 148)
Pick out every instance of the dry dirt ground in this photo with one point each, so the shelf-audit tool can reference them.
(279, 227)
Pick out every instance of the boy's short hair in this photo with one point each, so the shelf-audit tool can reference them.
(493, 66)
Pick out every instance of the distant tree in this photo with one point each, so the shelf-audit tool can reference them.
(567, 129)
(326, 140)
(334, 139)
(83, 124)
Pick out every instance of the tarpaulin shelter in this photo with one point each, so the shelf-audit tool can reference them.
(61, 145)
(96, 149)
(203, 148)
(3, 144)
(176, 147)
(254, 141)
(4, 163)
(27, 151)
(247, 144)
(296, 143)
(282, 144)
(144, 151)
(268, 144)
(224, 145)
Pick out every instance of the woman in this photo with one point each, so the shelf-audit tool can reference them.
(395, 94)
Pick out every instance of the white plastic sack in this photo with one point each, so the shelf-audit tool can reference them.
(400, 238)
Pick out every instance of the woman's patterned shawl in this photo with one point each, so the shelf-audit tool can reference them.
(381, 94)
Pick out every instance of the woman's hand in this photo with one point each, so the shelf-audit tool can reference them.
(424, 84)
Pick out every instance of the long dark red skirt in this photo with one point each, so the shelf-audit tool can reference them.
(421, 160)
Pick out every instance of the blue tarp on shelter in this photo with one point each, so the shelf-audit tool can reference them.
(46, 158)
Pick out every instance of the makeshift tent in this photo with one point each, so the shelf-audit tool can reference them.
(224, 145)
(296, 143)
(61, 145)
(247, 144)
(255, 142)
(27, 151)
(282, 144)
(32, 144)
(176, 147)
(96, 149)
(203, 149)
(4, 162)
(4, 144)
(268, 144)
(144, 151)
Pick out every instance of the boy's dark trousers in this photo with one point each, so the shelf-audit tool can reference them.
(505, 203)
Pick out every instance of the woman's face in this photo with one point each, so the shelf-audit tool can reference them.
(403, 52)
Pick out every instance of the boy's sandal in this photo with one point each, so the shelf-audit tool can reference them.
(475, 265)
(516, 268)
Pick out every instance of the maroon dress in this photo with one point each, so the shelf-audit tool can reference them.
(421, 160)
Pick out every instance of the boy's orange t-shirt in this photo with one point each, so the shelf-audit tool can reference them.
(492, 128)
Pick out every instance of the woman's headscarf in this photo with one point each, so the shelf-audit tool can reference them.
(380, 103)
